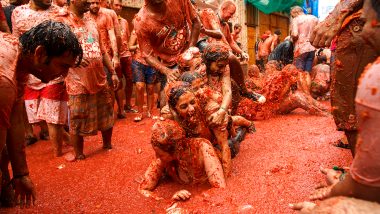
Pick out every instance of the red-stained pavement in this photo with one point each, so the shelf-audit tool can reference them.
(276, 166)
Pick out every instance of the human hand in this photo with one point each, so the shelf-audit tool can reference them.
(218, 117)
(25, 192)
(181, 195)
(244, 55)
(303, 206)
(323, 34)
(173, 75)
(84, 63)
(321, 193)
(115, 81)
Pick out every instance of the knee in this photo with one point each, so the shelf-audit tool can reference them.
(140, 87)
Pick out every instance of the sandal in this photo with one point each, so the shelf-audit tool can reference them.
(138, 118)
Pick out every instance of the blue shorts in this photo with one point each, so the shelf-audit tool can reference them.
(305, 61)
(143, 73)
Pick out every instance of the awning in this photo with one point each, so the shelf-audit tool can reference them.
(270, 6)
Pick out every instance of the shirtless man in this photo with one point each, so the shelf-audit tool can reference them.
(345, 23)
(90, 97)
(216, 28)
(185, 160)
(362, 181)
(162, 29)
(125, 60)
(263, 50)
(301, 29)
(47, 51)
(276, 39)
(43, 102)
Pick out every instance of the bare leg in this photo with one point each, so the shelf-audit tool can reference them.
(351, 138)
(302, 100)
(222, 139)
(6, 190)
(150, 97)
(56, 136)
(140, 87)
(107, 135)
(44, 134)
(119, 100)
(77, 142)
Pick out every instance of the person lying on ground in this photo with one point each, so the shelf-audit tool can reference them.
(320, 79)
(185, 160)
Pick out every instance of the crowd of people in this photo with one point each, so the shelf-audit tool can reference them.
(64, 66)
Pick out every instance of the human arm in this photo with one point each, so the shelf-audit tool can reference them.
(294, 30)
(133, 44)
(151, 178)
(195, 30)
(217, 34)
(115, 58)
(325, 31)
(116, 25)
(108, 64)
(218, 117)
(24, 187)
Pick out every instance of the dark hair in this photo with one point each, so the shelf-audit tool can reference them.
(176, 92)
(56, 37)
(237, 25)
(214, 52)
(376, 7)
(321, 59)
(190, 77)
(277, 32)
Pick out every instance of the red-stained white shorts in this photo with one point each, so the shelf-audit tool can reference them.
(47, 104)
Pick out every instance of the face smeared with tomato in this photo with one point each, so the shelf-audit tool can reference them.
(228, 13)
(217, 67)
(187, 107)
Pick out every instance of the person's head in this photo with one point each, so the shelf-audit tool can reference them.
(227, 10)
(296, 11)
(253, 71)
(165, 136)
(277, 32)
(237, 28)
(183, 102)
(215, 56)
(94, 6)
(195, 79)
(82, 6)
(116, 6)
(371, 29)
(268, 32)
(18, 2)
(50, 49)
(43, 4)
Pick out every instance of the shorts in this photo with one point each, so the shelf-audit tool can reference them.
(8, 96)
(305, 61)
(90, 113)
(143, 73)
(352, 54)
(47, 104)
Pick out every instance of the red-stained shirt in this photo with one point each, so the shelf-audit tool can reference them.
(165, 36)
(124, 30)
(104, 24)
(23, 19)
(211, 21)
(92, 78)
(2, 16)
(9, 51)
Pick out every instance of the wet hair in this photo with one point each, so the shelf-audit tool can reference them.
(376, 7)
(176, 91)
(55, 37)
(277, 32)
(190, 77)
(215, 52)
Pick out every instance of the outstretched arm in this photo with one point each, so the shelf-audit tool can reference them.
(151, 178)
(325, 31)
